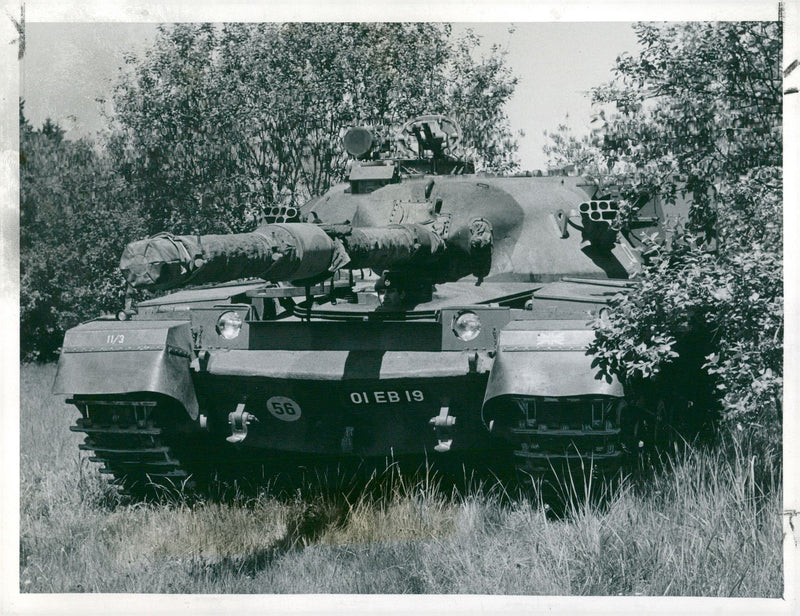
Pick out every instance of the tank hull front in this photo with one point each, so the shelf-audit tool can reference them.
(347, 403)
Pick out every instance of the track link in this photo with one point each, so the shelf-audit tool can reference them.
(564, 435)
(127, 439)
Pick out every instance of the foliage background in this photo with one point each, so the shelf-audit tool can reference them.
(697, 112)
(75, 213)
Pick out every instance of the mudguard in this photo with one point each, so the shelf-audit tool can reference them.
(114, 357)
(338, 365)
(533, 361)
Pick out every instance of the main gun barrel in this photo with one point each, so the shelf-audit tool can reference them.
(276, 252)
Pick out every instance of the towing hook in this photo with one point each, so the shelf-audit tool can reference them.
(238, 421)
(442, 425)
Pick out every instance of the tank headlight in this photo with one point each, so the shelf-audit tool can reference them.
(229, 325)
(466, 326)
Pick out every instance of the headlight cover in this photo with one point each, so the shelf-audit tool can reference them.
(466, 325)
(229, 325)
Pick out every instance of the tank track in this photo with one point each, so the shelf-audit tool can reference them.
(572, 436)
(537, 452)
(128, 438)
(599, 440)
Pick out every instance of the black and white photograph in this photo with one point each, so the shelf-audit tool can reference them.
(379, 309)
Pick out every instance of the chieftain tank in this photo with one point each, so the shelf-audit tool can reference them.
(417, 310)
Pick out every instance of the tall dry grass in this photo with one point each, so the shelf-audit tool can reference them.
(709, 524)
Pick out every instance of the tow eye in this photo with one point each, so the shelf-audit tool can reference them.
(239, 420)
(442, 425)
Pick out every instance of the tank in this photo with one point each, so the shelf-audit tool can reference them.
(416, 311)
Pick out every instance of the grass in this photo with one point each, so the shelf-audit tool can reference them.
(708, 525)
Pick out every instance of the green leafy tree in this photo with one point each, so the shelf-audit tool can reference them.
(75, 216)
(217, 123)
(476, 93)
(581, 154)
(698, 112)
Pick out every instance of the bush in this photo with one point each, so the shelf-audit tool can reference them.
(76, 217)
(697, 112)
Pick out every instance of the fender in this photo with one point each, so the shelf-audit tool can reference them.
(123, 357)
(534, 360)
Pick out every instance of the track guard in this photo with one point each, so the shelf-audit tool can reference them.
(123, 357)
(551, 363)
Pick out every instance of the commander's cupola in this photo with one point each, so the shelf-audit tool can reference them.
(427, 144)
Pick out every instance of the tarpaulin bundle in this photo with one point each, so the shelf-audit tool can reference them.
(382, 248)
(289, 251)
(276, 252)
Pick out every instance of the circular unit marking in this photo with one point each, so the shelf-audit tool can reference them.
(284, 408)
